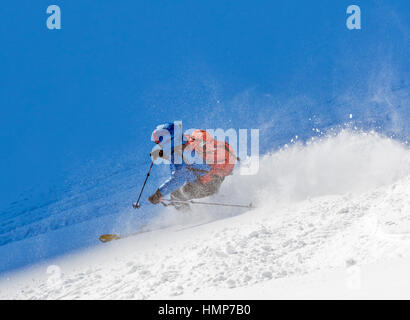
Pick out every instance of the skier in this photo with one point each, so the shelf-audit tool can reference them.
(192, 179)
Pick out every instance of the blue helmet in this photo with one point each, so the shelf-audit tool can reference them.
(165, 133)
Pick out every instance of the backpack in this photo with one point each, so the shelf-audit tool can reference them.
(224, 160)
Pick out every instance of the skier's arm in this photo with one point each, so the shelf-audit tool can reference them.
(178, 179)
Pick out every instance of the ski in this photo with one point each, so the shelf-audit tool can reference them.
(171, 201)
(109, 237)
(114, 236)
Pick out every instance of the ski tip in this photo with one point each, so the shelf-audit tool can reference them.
(108, 237)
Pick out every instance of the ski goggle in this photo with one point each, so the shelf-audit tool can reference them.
(158, 138)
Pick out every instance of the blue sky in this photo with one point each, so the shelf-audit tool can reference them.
(93, 91)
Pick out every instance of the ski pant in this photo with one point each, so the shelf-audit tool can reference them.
(195, 190)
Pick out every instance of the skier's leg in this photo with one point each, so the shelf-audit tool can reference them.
(195, 190)
(199, 190)
(179, 195)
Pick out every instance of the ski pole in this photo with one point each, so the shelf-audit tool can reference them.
(170, 202)
(137, 205)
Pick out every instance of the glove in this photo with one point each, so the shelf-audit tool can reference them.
(156, 197)
(158, 153)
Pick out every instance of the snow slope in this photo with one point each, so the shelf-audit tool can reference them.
(330, 213)
(54, 218)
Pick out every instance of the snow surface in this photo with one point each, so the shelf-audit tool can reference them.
(332, 221)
